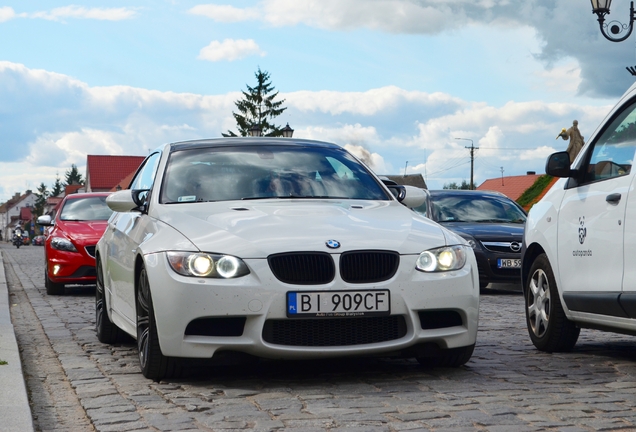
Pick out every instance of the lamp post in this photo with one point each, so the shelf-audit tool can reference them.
(472, 149)
(287, 131)
(619, 31)
(255, 131)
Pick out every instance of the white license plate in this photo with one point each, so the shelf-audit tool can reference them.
(335, 304)
(508, 263)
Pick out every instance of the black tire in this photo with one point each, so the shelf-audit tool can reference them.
(107, 332)
(453, 357)
(51, 287)
(154, 365)
(549, 328)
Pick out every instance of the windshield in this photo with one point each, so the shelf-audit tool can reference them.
(86, 209)
(456, 208)
(261, 172)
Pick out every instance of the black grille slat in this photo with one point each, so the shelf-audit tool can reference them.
(303, 268)
(368, 266)
(334, 332)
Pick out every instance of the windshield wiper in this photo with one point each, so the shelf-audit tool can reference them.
(493, 220)
(295, 197)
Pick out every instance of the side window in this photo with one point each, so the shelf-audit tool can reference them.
(613, 152)
(146, 175)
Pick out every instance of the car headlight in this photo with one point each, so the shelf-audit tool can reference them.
(60, 243)
(199, 264)
(442, 259)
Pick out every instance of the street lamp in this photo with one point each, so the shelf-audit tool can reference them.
(287, 131)
(255, 131)
(619, 31)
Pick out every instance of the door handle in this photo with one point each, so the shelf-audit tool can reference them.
(613, 198)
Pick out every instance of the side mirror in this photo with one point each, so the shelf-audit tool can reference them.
(415, 197)
(44, 220)
(121, 201)
(398, 191)
(558, 165)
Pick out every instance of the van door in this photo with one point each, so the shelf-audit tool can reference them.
(591, 223)
(628, 297)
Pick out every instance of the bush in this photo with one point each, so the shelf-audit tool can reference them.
(534, 191)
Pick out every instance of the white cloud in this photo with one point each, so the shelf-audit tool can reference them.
(79, 12)
(225, 13)
(230, 50)
(6, 13)
(394, 16)
(365, 103)
(73, 119)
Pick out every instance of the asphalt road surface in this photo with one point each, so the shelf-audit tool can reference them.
(75, 383)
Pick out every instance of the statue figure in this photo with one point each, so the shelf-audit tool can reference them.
(576, 140)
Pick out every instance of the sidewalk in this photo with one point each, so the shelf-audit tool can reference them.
(15, 412)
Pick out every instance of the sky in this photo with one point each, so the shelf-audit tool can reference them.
(405, 85)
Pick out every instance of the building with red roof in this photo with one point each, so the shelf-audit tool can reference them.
(103, 173)
(511, 186)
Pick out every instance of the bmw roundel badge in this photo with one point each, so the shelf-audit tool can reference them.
(333, 244)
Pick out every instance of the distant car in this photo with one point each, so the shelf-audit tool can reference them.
(279, 248)
(38, 240)
(69, 252)
(491, 223)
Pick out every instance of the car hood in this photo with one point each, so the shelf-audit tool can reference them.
(84, 231)
(259, 229)
(488, 231)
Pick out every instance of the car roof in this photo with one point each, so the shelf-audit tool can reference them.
(249, 141)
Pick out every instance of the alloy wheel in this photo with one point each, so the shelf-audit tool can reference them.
(539, 303)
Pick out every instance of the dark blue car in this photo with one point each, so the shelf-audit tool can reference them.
(492, 224)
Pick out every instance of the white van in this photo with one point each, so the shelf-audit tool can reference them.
(579, 251)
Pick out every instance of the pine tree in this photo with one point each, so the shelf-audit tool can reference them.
(58, 187)
(73, 176)
(40, 199)
(258, 108)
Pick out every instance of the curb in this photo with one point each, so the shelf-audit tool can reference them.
(15, 412)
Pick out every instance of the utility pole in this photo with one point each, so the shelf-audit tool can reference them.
(502, 171)
(472, 149)
(405, 165)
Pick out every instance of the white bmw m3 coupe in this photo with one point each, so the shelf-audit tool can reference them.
(279, 248)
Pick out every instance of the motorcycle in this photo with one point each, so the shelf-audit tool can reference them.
(17, 238)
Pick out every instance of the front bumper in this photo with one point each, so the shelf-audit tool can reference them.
(70, 267)
(247, 309)
(490, 272)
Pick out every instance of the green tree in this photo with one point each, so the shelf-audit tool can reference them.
(73, 176)
(58, 187)
(258, 107)
(453, 185)
(40, 199)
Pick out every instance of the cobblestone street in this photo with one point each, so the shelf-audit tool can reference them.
(76, 383)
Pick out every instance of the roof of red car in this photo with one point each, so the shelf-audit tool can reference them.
(87, 195)
(107, 171)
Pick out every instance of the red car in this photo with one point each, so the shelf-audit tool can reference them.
(69, 249)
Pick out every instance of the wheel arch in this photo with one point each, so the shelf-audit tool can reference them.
(531, 253)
